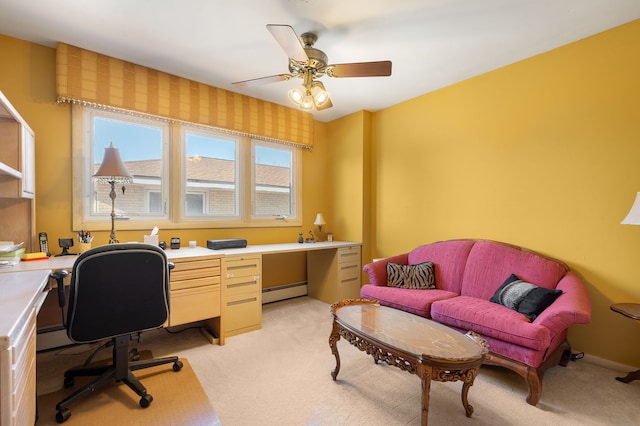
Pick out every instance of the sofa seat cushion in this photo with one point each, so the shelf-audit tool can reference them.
(492, 320)
(415, 301)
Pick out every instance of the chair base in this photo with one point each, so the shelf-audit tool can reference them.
(121, 370)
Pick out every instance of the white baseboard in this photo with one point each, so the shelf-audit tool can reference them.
(283, 292)
(612, 365)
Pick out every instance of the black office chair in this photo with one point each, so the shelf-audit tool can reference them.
(116, 292)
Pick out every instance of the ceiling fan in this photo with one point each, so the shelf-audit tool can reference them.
(309, 63)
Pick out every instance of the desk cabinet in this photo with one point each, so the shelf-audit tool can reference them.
(242, 307)
(18, 377)
(195, 289)
(334, 275)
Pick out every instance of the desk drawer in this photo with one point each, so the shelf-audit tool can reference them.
(241, 267)
(195, 282)
(346, 270)
(194, 304)
(349, 254)
(242, 312)
(186, 270)
(242, 285)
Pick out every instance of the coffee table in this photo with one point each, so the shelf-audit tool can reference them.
(412, 343)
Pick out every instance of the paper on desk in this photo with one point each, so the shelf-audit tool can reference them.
(7, 246)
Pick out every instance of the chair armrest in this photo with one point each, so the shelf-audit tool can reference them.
(377, 271)
(572, 307)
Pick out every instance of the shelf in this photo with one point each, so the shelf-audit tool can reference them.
(9, 171)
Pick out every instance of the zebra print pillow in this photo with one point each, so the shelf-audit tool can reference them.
(420, 276)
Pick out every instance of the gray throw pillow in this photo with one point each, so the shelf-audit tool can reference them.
(419, 276)
(526, 298)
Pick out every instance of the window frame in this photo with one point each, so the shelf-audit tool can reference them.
(174, 178)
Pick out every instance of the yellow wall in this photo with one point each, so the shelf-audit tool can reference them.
(29, 83)
(543, 153)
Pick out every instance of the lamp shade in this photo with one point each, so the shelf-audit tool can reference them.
(319, 220)
(633, 217)
(112, 168)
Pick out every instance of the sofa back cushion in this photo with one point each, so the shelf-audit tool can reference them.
(449, 259)
(490, 263)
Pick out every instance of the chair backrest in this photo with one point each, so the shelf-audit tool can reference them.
(117, 289)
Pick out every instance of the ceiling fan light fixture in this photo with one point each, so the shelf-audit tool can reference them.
(320, 96)
(297, 95)
(307, 103)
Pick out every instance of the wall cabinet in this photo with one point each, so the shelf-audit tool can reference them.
(17, 177)
(242, 306)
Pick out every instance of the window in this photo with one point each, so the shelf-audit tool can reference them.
(272, 174)
(183, 175)
(211, 169)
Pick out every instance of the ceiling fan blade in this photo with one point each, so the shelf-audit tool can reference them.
(360, 69)
(289, 41)
(262, 80)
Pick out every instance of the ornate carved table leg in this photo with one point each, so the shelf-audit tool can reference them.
(333, 339)
(424, 372)
(468, 378)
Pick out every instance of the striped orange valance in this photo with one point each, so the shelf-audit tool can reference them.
(95, 79)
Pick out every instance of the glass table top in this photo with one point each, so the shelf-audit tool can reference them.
(409, 333)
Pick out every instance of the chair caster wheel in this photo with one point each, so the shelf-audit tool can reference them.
(134, 355)
(145, 401)
(177, 366)
(68, 382)
(63, 415)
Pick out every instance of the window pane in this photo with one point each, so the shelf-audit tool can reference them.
(273, 181)
(194, 204)
(211, 170)
(140, 147)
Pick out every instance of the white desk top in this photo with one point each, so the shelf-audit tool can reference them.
(20, 292)
(21, 286)
(66, 262)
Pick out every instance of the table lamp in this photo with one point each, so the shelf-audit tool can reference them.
(112, 171)
(633, 217)
(320, 222)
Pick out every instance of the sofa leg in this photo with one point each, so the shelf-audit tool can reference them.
(534, 382)
(533, 376)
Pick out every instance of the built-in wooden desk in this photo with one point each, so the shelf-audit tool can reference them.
(333, 273)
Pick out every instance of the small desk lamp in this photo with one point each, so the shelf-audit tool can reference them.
(319, 222)
(112, 170)
(633, 217)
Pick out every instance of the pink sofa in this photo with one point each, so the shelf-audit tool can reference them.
(467, 274)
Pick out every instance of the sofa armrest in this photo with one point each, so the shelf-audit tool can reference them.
(572, 307)
(377, 271)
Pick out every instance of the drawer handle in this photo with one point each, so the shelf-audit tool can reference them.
(252, 265)
(344, 268)
(239, 302)
(241, 284)
(349, 254)
(349, 279)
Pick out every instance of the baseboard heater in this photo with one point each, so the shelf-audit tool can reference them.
(282, 292)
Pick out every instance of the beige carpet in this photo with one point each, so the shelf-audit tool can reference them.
(280, 375)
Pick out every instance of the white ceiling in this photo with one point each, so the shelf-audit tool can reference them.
(432, 43)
